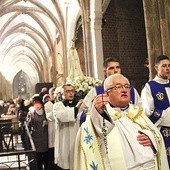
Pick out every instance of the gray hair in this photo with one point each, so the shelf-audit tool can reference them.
(108, 83)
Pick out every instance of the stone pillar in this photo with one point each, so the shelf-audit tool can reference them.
(85, 9)
(8, 90)
(164, 15)
(157, 24)
(4, 86)
(1, 88)
(60, 62)
(97, 45)
(52, 68)
(153, 34)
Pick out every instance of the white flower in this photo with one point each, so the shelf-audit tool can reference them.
(85, 83)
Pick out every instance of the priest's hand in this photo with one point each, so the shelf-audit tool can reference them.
(144, 139)
(100, 101)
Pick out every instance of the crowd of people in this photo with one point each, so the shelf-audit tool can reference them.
(112, 128)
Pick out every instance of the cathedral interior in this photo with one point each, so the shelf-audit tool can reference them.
(37, 35)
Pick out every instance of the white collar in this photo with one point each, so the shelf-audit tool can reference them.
(161, 80)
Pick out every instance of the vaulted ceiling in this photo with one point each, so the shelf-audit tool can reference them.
(28, 30)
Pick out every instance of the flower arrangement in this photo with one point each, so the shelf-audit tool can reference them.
(83, 84)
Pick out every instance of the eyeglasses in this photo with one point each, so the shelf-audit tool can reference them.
(119, 87)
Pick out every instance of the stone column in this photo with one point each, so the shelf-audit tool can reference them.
(1, 87)
(97, 45)
(4, 85)
(157, 24)
(153, 34)
(60, 62)
(85, 9)
(52, 68)
(164, 14)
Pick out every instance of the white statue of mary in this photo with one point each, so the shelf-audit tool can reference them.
(74, 63)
